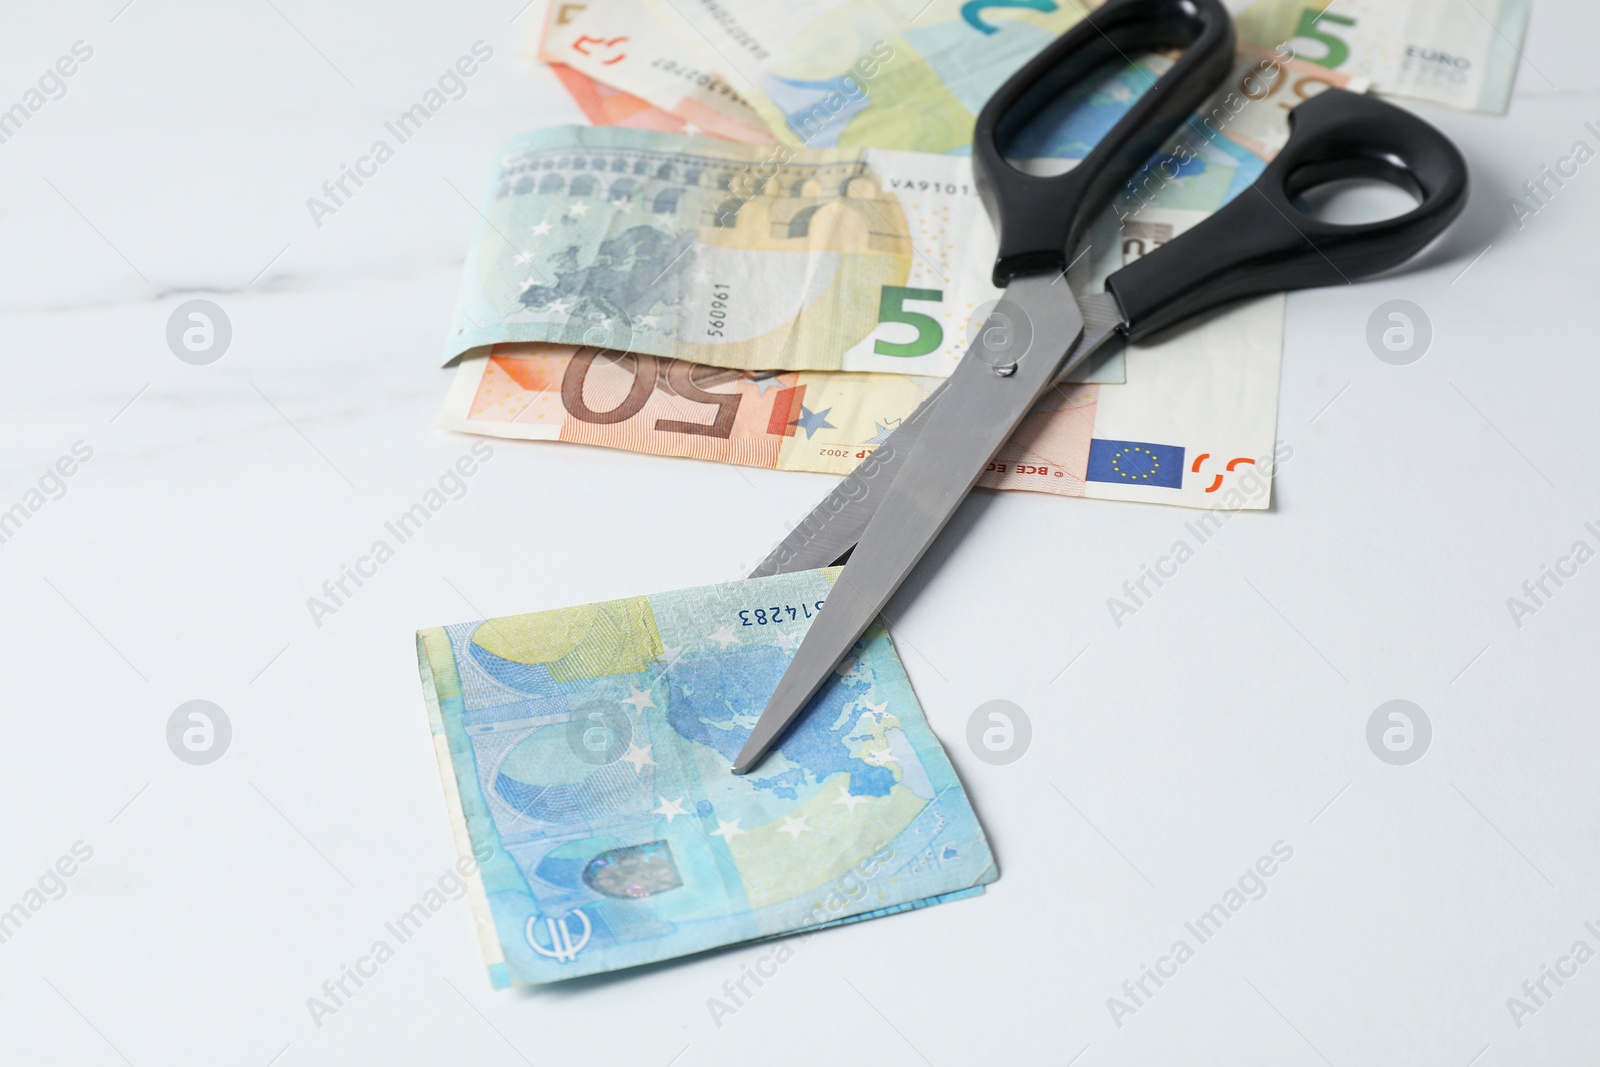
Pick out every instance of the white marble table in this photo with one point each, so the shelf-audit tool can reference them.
(1229, 715)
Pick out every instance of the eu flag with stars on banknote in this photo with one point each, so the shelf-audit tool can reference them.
(1135, 463)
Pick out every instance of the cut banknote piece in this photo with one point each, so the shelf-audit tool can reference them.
(587, 752)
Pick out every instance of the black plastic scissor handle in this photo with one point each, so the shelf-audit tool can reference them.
(1039, 219)
(1261, 243)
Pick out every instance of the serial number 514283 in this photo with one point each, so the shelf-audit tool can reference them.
(778, 613)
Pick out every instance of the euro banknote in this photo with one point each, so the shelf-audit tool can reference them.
(587, 753)
(1461, 53)
(1242, 125)
(908, 74)
(760, 257)
(1252, 107)
(726, 254)
(602, 103)
(624, 44)
(1191, 425)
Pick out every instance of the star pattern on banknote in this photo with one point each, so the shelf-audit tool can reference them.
(578, 210)
(723, 636)
(650, 321)
(884, 428)
(875, 710)
(528, 283)
(878, 757)
(812, 421)
(540, 229)
(560, 307)
(523, 258)
(786, 641)
(639, 757)
(849, 800)
(671, 656)
(728, 830)
(794, 826)
(639, 698)
(669, 809)
(765, 381)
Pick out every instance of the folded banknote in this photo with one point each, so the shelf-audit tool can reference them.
(586, 756)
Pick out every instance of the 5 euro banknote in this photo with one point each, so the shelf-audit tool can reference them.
(1189, 420)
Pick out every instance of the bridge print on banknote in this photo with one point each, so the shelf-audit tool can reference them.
(689, 247)
(771, 258)
(590, 749)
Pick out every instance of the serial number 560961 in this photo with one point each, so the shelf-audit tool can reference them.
(717, 317)
(778, 613)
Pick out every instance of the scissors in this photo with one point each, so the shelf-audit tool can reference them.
(888, 512)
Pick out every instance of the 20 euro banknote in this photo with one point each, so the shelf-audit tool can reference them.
(909, 74)
(587, 752)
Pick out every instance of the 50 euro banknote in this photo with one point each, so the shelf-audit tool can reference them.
(1193, 424)
(586, 757)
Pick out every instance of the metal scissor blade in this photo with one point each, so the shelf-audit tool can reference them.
(977, 413)
(834, 526)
